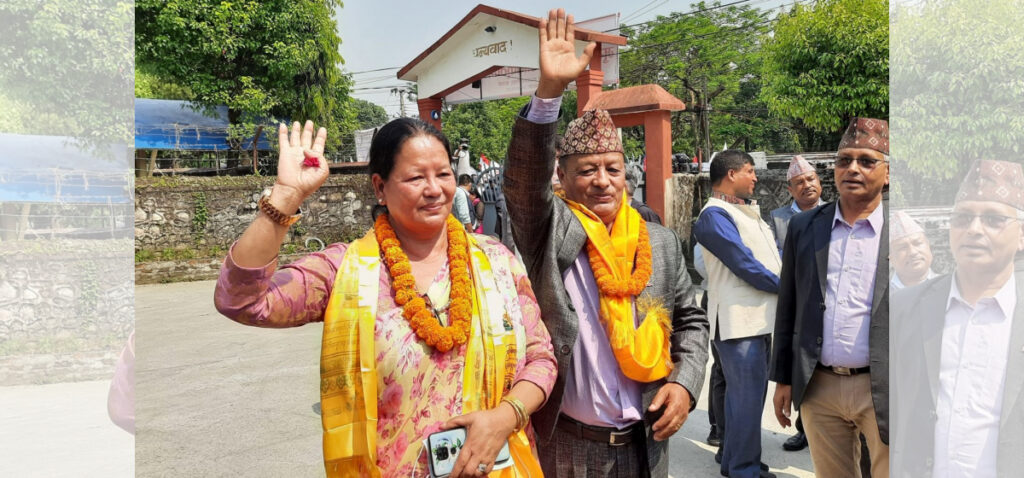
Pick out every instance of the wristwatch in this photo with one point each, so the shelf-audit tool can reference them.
(274, 213)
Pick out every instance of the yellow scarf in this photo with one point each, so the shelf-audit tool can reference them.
(348, 373)
(642, 352)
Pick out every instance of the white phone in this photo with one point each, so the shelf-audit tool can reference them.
(443, 448)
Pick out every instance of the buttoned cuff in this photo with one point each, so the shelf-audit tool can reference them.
(543, 110)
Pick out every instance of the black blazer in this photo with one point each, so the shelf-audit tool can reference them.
(918, 318)
(800, 314)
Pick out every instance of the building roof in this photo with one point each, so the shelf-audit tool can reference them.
(531, 21)
(635, 99)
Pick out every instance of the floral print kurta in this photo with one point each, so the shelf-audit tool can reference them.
(418, 387)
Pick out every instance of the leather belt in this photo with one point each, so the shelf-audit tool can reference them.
(844, 371)
(610, 435)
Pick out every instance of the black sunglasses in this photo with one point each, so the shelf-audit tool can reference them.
(864, 162)
(994, 222)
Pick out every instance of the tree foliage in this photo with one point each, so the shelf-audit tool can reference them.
(486, 124)
(150, 85)
(369, 115)
(957, 89)
(828, 62)
(67, 69)
(261, 59)
(710, 60)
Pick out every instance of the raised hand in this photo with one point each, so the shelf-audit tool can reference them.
(559, 64)
(295, 181)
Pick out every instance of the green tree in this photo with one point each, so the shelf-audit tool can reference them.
(828, 62)
(149, 85)
(957, 92)
(67, 70)
(710, 59)
(262, 60)
(486, 124)
(369, 115)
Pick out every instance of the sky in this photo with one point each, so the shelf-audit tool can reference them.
(380, 34)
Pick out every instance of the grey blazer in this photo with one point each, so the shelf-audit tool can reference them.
(550, 237)
(918, 317)
(780, 222)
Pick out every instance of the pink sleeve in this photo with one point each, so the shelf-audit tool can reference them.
(269, 296)
(121, 398)
(540, 367)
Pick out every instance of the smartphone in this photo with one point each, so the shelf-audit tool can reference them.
(443, 448)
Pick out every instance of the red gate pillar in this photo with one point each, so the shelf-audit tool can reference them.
(428, 107)
(588, 84)
(658, 144)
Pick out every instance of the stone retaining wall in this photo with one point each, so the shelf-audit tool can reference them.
(194, 220)
(66, 309)
(206, 212)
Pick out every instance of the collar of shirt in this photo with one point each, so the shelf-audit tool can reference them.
(898, 284)
(729, 198)
(875, 220)
(1006, 298)
(796, 208)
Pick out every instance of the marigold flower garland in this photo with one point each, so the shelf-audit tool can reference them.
(421, 319)
(626, 287)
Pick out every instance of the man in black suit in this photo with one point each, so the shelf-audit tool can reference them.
(831, 344)
(958, 359)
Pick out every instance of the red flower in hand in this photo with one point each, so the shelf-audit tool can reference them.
(311, 161)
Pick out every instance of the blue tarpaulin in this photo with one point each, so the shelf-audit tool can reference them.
(55, 169)
(173, 124)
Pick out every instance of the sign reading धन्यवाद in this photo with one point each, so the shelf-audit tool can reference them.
(493, 48)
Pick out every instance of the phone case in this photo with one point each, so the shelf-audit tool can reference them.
(443, 449)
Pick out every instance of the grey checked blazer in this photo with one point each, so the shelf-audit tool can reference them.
(550, 237)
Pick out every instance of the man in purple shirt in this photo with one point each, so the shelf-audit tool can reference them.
(597, 422)
(831, 352)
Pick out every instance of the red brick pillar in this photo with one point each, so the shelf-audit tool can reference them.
(430, 107)
(588, 84)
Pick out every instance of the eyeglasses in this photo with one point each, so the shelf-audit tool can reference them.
(992, 222)
(864, 162)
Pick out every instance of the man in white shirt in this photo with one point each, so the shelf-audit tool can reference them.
(958, 359)
(461, 203)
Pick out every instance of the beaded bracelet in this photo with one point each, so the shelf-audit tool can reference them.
(276, 215)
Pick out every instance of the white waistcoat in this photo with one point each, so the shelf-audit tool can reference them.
(742, 310)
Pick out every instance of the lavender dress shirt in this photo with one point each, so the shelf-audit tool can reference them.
(596, 391)
(852, 262)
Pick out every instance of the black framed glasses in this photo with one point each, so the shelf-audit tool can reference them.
(992, 222)
(864, 162)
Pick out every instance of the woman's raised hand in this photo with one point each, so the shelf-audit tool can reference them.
(295, 179)
(559, 64)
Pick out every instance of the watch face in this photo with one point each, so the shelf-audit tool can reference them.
(266, 193)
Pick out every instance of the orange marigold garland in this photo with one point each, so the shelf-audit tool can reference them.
(421, 319)
(635, 283)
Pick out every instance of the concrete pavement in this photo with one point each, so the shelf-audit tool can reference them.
(62, 430)
(215, 398)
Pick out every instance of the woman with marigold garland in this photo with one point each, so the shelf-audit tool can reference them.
(426, 327)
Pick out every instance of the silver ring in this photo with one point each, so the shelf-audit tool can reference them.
(481, 468)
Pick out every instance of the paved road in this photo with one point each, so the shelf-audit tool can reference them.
(215, 398)
(62, 430)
